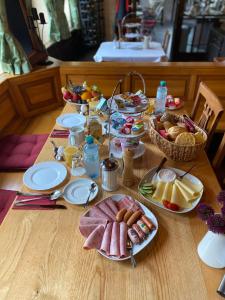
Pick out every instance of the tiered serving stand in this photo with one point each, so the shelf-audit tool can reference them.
(133, 111)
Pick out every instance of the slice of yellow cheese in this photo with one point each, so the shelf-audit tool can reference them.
(167, 191)
(178, 198)
(196, 188)
(187, 194)
(158, 194)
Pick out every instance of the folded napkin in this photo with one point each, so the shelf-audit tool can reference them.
(6, 199)
(59, 133)
(44, 200)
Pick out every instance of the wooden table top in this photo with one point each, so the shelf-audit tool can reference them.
(41, 254)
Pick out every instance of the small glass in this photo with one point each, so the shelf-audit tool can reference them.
(69, 152)
(77, 164)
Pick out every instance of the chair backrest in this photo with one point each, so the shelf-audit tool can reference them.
(220, 155)
(219, 59)
(211, 113)
(164, 58)
(166, 40)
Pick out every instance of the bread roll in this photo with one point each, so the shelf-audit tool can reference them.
(175, 131)
(186, 139)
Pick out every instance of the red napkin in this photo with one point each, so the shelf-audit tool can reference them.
(6, 200)
(44, 200)
(58, 133)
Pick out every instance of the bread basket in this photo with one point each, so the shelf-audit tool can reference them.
(171, 149)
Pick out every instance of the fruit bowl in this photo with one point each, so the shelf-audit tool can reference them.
(77, 106)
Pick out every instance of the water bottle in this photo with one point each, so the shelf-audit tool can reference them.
(160, 104)
(91, 158)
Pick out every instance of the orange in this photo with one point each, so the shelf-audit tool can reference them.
(86, 95)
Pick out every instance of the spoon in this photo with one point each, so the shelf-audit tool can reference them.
(91, 190)
(53, 196)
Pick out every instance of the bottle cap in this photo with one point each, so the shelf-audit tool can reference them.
(89, 139)
(162, 83)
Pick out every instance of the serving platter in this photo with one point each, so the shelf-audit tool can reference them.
(44, 175)
(150, 176)
(128, 109)
(70, 120)
(77, 191)
(116, 133)
(139, 247)
(118, 153)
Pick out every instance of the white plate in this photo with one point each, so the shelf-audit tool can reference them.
(116, 133)
(77, 191)
(136, 248)
(117, 152)
(128, 109)
(71, 120)
(190, 177)
(44, 175)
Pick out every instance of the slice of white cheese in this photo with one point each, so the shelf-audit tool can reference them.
(178, 198)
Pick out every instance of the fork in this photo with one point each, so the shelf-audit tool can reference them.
(180, 177)
(130, 248)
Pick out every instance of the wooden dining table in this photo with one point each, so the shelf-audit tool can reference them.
(42, 255)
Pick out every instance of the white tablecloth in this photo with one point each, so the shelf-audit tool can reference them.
(129, 51)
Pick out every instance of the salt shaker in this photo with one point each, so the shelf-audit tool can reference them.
(128, 159)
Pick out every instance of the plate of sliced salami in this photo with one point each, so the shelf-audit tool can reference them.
(111, 222)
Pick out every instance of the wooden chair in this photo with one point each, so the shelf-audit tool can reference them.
(131, 24)
(220, 59)
(220, 155)
(166, 40)
(212, 110)
(164, 58)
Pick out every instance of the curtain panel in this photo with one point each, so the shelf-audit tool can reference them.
(13, 59)
(74, 14)
(59, 29)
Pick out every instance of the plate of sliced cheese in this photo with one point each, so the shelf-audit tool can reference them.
(167, 191)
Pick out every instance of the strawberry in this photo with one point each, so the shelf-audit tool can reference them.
(166, 203)
(173, 206)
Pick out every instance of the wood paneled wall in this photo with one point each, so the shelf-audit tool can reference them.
(182, 78)
(22, 97)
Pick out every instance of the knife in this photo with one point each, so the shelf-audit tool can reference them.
(160, 166)
(56, 206)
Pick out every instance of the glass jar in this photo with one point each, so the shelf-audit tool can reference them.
(95, 127)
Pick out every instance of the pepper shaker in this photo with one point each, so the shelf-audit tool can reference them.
(128, 176)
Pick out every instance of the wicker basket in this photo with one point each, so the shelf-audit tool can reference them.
(172, 150)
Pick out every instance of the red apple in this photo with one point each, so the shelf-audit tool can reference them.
(75, 97)
(67, 95)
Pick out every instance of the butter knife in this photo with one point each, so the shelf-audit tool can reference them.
(55, 206)
(159, 166)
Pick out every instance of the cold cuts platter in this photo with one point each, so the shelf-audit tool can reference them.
(106, 233)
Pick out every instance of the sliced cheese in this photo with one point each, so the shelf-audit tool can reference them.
(167, 191)
(178, 198)
(185, 192)
(196, 188)
(158, 194)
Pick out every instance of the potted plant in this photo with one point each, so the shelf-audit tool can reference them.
(211, 248)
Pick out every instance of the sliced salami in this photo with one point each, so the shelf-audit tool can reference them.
(105, 246)
(94, 240)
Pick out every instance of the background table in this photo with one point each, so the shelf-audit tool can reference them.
(41, 254)
(129, 51)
